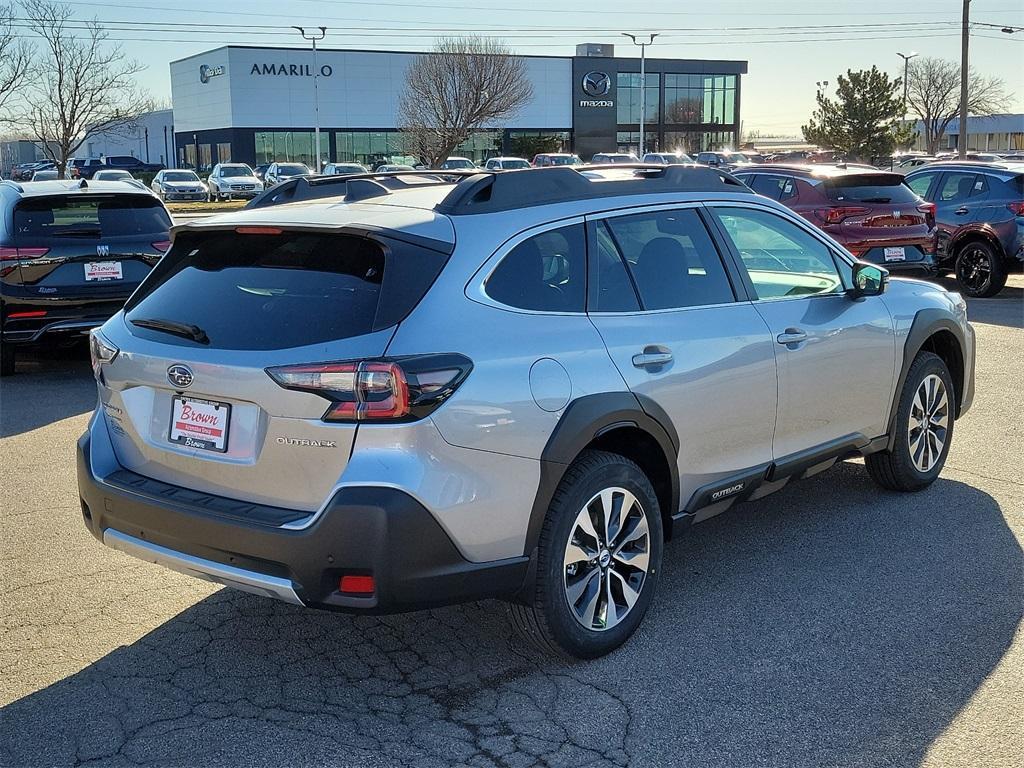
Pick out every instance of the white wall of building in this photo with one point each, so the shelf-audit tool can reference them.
(150, 138)
(273, 88)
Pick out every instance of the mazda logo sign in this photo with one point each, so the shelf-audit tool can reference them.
(206, 72)
(596, 84)
(180, 376)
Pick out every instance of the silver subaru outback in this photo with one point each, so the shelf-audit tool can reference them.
(392, 391)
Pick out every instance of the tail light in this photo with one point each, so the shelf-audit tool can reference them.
(101, 352)
(162, 245)
(1017, 207)
(401, 389)
(929, 210)
(14, 254)
(35, 313)
(837, 214)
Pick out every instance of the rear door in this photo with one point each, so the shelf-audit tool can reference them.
(236, 304)
(663, 301)
(93, 248)
(836, 356)
(953, 208)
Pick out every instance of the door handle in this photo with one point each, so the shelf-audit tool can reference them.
(962, 210)
(653, 356)
(792, 336)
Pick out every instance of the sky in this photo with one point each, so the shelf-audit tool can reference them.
(789, 44)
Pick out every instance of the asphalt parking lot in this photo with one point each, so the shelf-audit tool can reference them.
(829, 624)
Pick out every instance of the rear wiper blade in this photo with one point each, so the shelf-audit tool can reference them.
(78, 231)
(186, 330)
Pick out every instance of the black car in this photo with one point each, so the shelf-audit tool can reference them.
(71, 253)
(119, 162)
(259, 170)
(24, 171)
(979, 209)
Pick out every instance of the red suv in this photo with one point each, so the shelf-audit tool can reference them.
(873, 213)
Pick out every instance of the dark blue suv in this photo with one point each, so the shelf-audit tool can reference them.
(980, 217)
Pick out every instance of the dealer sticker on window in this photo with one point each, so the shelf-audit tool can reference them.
(895, 254)
(103, 270)
(200, 423)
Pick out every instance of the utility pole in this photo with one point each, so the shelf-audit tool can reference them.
(643, 83)
(965, 40)
(316, 93)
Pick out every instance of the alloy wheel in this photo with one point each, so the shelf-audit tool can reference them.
(606, 559)
(973, 269)
(929, 423)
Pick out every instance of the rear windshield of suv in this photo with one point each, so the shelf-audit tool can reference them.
(865, 188)
(274, 291)
(89, 216)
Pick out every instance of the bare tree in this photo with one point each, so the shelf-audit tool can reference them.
(933, 94)
(15, 58)
(466, 83)
(83, 85)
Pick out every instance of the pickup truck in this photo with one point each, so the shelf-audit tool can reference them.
(121, 162)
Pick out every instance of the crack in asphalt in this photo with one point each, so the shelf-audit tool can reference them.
(437, 688)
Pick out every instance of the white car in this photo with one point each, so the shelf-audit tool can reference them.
(393, 168)
(112, 175)
(231, 180)
(457, 164)
(178, 184)
(506, 164)
(344, 169)
(667, 158)
(46, 175)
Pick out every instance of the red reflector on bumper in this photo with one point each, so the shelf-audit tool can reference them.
(23, 315)
(357, 585)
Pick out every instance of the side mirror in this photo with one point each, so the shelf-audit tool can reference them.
(868, 280)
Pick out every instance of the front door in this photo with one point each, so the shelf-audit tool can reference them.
(663, 301)
(836, 356)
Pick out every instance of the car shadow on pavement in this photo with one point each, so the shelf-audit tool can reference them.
(829, 624)
(48, 386)
(1005, 308)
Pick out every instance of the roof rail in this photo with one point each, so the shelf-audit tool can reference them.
(319, 187)
(491, 193)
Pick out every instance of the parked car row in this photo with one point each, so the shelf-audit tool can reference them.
(964, 219)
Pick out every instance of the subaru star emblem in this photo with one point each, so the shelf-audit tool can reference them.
(102, 250)
(596, 84)
(180, 375)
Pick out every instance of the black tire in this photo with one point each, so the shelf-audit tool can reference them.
(7, 356)
(980, 272)
(895, 470)
(549, 622)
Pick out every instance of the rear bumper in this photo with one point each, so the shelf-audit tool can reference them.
(64, 320)
(375, 531)
(916, 262)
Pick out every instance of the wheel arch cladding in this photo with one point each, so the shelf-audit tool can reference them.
(617, 422)
(977, 235)
(933, 330)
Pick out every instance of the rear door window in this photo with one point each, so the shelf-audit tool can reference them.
(774, 187)
(64, 217)
(544, 273)
(267, 291)
(857, 188)
(672, 259)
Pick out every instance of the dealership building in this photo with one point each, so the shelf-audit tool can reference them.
(256, 105)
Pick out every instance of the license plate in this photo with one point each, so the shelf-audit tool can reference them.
(895, 254)
(103, 270)
(200, 423)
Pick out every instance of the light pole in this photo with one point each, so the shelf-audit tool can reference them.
(316, 93)
(906, 71)
(643, 82)
(965, 41)
(822, 86)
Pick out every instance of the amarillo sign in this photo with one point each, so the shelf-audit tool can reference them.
(289, 70)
